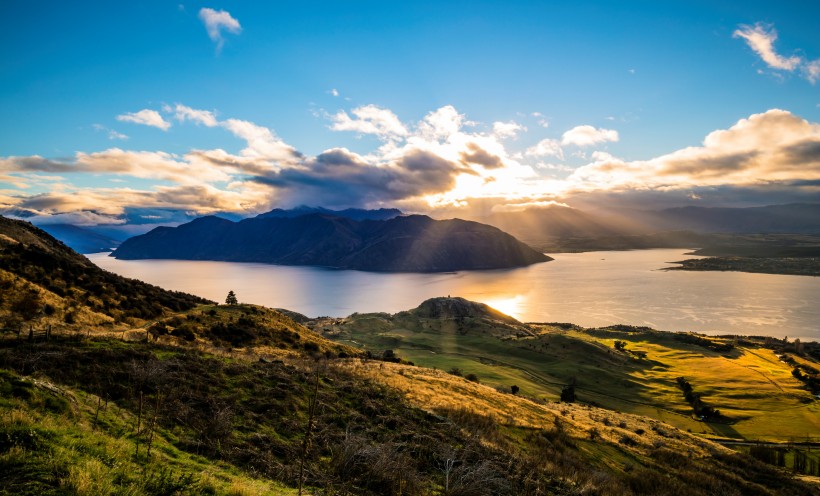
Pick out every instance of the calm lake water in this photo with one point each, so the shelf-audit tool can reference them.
(589, 289)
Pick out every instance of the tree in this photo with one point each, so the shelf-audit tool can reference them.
(568, 394)
(28, 305)
(514, 389)
(231, 298)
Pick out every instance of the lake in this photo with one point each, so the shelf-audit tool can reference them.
(589, 289)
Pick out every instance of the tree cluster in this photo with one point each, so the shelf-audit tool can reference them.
(700, 408)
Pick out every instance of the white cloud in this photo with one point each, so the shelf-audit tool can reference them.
(112, 134)
(587, 135)
(546, 148)
(811, 71)
(77, 218)
(146, 117)
(441, 123)
(435, 162)
(510, 129)
(204, 117)
(764, 149)
(216, 22)
(334, 92)
(761, 38)
(370, 119)
(262, 142)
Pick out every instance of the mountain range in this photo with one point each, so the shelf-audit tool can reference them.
(413, 243)
(559, 228)
(549, 229)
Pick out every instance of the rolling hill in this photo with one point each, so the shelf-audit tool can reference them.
(747, 379)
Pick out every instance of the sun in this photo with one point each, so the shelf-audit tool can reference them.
(512, 306)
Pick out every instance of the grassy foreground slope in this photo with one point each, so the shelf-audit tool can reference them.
(228, 425)
(243, 400)
(748, 381)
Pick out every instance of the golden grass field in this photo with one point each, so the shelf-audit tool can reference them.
(751, 386)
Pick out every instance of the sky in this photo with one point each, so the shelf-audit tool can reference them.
(134, 112)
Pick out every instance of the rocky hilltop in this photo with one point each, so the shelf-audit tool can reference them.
(413, 243)
(459, 308)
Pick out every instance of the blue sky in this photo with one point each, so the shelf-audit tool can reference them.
(635, 84)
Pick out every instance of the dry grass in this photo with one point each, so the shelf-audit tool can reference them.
(440, 392)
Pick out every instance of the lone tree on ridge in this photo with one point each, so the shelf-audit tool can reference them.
(231, 298)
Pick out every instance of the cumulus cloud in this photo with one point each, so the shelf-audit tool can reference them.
(217, 22)
(504, 130)
(771, 147)
(441, 123)
(146, 117)
(339, 177)
(479, 156)
(204, 117)
(139, 164)
(761, 37)
(587, 135)
(546, 148)
(262, 142)
(370, 119)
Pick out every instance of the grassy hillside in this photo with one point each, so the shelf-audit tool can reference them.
(218, 424)
(43, 282)
(756, 391)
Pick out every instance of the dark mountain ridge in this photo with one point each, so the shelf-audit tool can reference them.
(412, 243)
(80, 239)
(793, 218)
(348, 213)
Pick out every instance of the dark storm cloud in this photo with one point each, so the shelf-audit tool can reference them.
(480, 156)
(707, 167)
(805, 152)
(343, 178)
